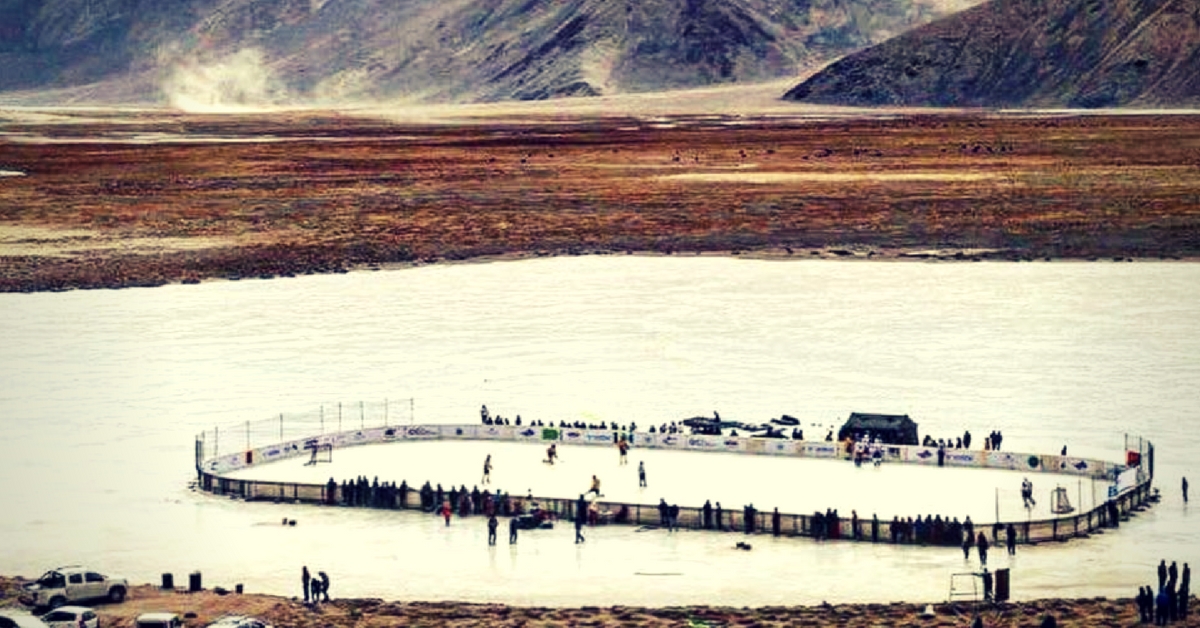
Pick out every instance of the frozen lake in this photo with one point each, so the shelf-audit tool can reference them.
(103, 391)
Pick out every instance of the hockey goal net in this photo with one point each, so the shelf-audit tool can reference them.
(320, 453)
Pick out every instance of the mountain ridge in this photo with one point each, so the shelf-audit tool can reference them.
(1028, 53)
(429, 50)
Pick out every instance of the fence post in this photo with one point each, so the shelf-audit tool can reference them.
(339, 416)
(281, 427)
(362, 417)
(216, 440)
(247, 436)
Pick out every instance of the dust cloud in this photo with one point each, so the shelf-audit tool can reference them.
(241, 81)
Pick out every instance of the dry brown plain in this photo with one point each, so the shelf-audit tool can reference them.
(206, 606)
(138, 199)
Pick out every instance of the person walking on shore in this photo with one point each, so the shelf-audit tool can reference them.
(487, 470)
(324, 586)
(305, 579)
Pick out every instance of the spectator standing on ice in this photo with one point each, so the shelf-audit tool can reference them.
(1010, 539)
(305, 578)
(982, 544)
(775, 522)
(579, 516)
(512, 530)
(642, 473)
(673, 517)
(1184, 490)
(662, 513)
(492, 525)
(707, 514)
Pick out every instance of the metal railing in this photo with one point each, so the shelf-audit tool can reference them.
(392, 496)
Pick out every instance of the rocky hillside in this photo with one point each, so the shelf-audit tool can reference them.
(1019, 53)
(213, 51)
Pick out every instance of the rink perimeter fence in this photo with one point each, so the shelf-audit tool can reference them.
(223, 450)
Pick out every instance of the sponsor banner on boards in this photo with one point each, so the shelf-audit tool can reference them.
(1069, 464)
(703, 443)
(733, 443)
(817, 449)
(922, 455)
(528, 433)
(459, 431)
(671, 441)
(962, 458)
(598, 437)
(1127, 480)
(1002, 460)
(420, 432)
(780, 447)
(574, 435)
(495, 432)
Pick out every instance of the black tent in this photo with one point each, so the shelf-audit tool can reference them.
(893, 429)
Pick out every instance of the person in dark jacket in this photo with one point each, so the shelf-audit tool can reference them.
(982, 544)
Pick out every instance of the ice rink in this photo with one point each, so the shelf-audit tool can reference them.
(794, 485)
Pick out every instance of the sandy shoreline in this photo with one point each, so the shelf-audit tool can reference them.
(285, 612)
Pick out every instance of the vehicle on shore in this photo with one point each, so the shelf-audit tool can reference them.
(71, 584)
(13, 619)
(72, 617)
(158, 620)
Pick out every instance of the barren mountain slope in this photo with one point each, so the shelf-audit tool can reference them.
(427, 50)
(1054, 53)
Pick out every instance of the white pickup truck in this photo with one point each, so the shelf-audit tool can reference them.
(72, 584)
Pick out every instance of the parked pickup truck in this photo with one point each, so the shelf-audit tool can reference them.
(72, 584)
